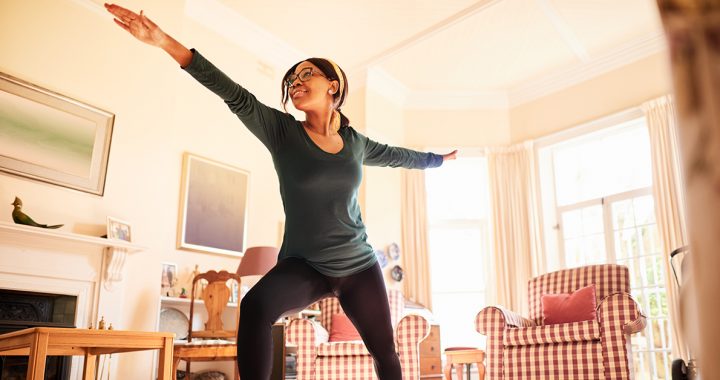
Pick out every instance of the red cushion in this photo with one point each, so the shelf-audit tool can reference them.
(577, 306)
(342, 329)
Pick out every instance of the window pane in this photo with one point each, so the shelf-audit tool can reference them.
(455, 313)
(625, 243)
(644, 208)
(572, 224)
(457, 190)
(592, 220)
(457, 258)
(602, 163)
(458, 242)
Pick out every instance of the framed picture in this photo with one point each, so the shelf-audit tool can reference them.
(213, 206)
(118, 230)
(168, 277)
(49, 137)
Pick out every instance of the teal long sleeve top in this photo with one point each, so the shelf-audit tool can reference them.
(319, 190)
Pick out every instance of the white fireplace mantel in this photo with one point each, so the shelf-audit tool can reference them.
(115, 251)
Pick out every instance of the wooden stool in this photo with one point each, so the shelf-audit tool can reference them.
(464, 356)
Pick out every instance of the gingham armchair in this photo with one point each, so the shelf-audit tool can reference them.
(318, 359)
(521, 348)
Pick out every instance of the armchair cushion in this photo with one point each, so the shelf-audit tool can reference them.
(342, 329)
(549, 334)
(572, 307)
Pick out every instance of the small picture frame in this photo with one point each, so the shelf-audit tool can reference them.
(118, 230)
(168, 278)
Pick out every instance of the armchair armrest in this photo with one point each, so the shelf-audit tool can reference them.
(621, 311)
(619, 316)
(306, 335)
(493, 317)
(410, 331)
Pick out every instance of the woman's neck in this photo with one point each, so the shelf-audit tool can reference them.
(319, 122)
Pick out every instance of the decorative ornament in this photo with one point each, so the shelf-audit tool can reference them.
(397, 273)
(393, 251)
(382, 259)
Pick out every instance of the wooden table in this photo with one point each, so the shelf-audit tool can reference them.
(40, 342)
(464, 356)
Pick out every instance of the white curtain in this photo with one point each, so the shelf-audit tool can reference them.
(416, 284)
(518, 253)
(669, 200)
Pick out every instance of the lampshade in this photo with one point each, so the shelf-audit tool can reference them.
(257, 261)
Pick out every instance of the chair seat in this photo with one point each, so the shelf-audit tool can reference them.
(349, 348)
(559, 333)
(205, 352)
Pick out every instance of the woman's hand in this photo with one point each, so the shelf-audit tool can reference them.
(450, 156)
(148, 32)
(138, 25)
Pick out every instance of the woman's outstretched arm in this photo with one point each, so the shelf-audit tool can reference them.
(148, 32)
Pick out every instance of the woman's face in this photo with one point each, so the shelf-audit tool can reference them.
(310, 89)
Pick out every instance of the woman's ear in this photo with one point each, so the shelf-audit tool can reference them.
(333, 88)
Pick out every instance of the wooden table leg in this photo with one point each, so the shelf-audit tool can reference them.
(481, 371)
(459, 371)
(90, 365)
(175, 365)
(37, 357)
(165, 360)
(448, 370)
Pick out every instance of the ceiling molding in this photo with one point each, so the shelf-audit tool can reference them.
(426, 33)
(228, 23)
(454, 100)
(565, 78)
(564, 30)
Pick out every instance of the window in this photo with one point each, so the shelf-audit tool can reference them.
(599, 185)
(458, 239)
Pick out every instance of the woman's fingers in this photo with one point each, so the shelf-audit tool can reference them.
(120, 12)
(120, 24)
(146, 21)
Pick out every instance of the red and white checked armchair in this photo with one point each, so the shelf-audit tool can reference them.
(318, 359)
(521, 348)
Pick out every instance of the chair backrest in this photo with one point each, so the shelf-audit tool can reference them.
(215, 297)
(331, 305)
(608, 279)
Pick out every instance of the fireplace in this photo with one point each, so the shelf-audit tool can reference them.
(20, 310)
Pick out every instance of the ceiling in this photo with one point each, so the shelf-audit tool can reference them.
(516, 50)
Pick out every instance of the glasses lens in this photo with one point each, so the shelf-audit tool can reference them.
(290, 79)
(305, 74)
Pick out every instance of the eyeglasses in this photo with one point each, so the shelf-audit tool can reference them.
(304, 75)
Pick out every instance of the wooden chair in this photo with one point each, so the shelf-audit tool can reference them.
(214, 342)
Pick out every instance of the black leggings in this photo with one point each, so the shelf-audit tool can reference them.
(293, 285)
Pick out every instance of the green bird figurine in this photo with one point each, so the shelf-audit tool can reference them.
(21, 218)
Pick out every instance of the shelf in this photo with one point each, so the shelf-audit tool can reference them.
(27, 232)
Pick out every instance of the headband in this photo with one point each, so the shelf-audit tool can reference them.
(339, 75)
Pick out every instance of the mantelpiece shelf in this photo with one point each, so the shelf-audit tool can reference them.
(115, 251)
(25, 233)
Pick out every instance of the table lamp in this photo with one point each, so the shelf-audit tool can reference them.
(257, 261)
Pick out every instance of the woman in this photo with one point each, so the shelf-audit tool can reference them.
(319, 166)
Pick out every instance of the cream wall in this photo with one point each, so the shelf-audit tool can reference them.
(161, 112)
(462, 128)
(603, 95)
(384, 118)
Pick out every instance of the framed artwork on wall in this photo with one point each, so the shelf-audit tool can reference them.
(49, 137)
(118, 230)
(213, 206)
